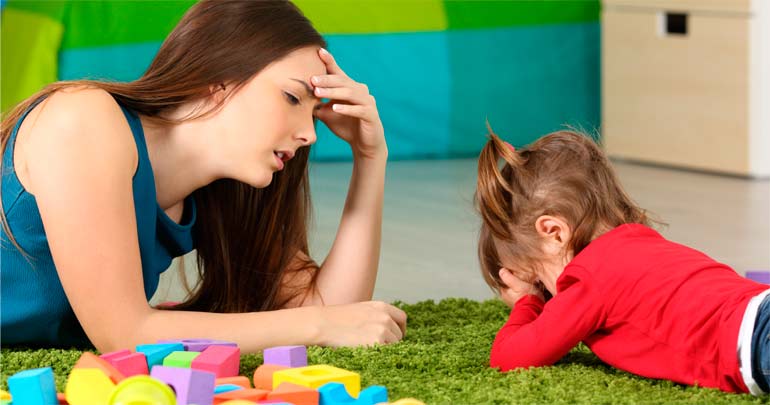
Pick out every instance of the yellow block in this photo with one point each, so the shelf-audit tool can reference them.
(87, 386)
(318, 375)
(4, 395)
(407, 401)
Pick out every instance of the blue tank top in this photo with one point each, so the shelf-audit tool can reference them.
(34, 309)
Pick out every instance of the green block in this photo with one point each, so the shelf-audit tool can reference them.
(180, 359)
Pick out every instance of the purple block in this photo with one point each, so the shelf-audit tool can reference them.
(289, 356)
(760, 276)
(198, 345)
(191, 386)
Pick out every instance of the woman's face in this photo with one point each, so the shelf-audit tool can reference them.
(266, 121)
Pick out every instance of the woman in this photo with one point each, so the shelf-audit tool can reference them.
(104, 183)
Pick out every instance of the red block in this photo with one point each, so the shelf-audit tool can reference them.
(128, 363)
(223, 361)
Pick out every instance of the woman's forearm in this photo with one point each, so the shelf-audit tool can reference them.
(350, 270)
(252, 332)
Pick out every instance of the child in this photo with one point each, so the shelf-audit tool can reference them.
(556, 217)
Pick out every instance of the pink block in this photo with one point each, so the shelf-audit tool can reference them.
(115, 355)
(127, 363)
(223, 361)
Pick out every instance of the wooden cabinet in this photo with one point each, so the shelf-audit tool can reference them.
(685, 83)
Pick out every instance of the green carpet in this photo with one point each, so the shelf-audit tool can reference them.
(443, 360)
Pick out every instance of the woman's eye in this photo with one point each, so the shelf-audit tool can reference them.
(292, 100)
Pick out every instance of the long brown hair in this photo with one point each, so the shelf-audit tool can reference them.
(563, 174)
(247, 239)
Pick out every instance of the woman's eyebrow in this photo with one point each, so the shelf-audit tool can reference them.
(307, 87)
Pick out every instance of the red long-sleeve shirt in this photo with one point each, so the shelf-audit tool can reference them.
(642, 304)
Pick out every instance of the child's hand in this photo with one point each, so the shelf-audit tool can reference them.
(516, 288)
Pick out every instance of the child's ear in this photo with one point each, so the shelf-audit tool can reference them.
(554, 231)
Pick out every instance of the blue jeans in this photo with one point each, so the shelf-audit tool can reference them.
(760, 347)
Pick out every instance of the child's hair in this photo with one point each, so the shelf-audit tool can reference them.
(563, 174)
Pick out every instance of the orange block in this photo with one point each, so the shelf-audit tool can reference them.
(295, 394)
(241, 381)
(250, 394)
(61, 398)
(90, 360)
(263, 376)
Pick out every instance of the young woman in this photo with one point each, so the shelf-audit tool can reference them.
(104, 183)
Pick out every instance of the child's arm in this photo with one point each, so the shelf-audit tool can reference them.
(537, 334)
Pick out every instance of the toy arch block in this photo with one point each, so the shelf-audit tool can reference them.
(318, 375)
(35, 386)
(191, 386)
(289, 356)
(223, 361)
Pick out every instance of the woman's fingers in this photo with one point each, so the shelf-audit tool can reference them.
(354, 94)
(331, 64)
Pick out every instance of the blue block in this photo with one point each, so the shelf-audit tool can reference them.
(226, 388)
(335, 394)
(33, 387)
(156, 352)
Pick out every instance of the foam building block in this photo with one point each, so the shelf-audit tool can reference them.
(5, 396)
(263, 376)
(274, 403)
(760, 276)
(34, 387)
(334, 393)
(191, 386)
(88, 386)
(180, 359)
(240, 380)
(239, 402)
(199, 345)
(250, 394)
(128, 363)
(141, 389)
(223, 361)
(294, 394)
(155, 353)
(219, 389)
(61, 398)
(407, 401)
(90, 360)
(289, 356)
(318, 375)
